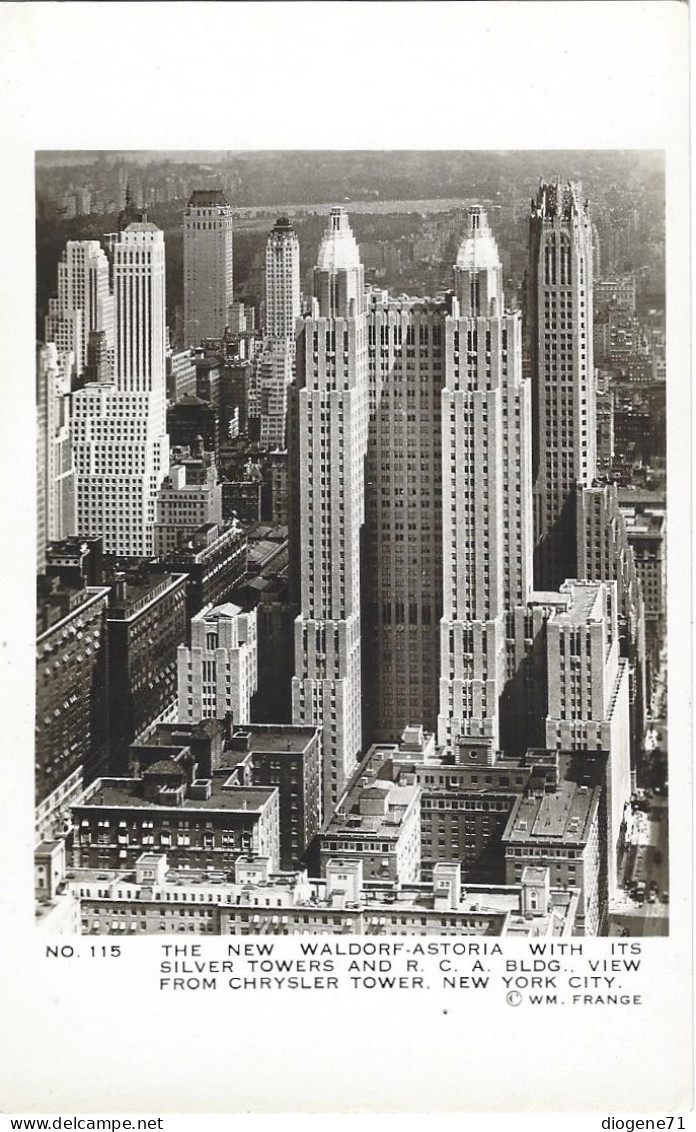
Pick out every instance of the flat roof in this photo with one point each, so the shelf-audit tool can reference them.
(562, 816)
(583, 597)
(286, 738)
(202, 198)
(118, 794)
(386, 826)
(140, 592)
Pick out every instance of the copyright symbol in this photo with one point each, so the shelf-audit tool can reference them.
(513, 998)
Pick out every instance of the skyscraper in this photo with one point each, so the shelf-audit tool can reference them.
(274, 373)
(486, 512)
(588, 693)
(332, 440)
(559, 325)
(119, 426)
(55, 466)
(282, 280)
(84, 302)
(447, 493)
(208, 292)
(402, 552)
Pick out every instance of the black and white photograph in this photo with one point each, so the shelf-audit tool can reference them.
(352, 543)
(347, 631)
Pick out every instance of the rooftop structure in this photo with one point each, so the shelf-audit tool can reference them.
(153, 897)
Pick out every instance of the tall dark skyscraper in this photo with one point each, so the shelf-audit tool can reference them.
(559, 328)
(208, 271)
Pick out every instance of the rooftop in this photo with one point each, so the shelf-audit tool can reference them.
(562, 816)
(583, 604)
(491, 910)
(141, 588)
(276, 737)
(189, 400)
(478, 250)
(646, 524)
(373, 803)
(228, 610)
(559, 199)
(142, 226)
(338, 250)
(283, 224)
(123, 793)
(208, 198)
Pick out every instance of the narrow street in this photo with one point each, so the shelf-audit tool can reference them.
(649, 916)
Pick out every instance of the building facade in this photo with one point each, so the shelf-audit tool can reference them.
(208, 266)
(189, 497)
(214, 560)
(146, 623)
(559, 327)
(282, 281)
(588, 696)
(54, 463)
(70, 695)
(119, 428)
(332, 436)
(560, 831)
(217, 674)
(486, 512)
(84, 302)
(275, 372)
(199, 824)
(288, 758)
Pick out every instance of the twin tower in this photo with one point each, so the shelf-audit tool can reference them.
(413, 518)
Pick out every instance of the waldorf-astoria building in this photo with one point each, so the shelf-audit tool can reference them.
(415, 515)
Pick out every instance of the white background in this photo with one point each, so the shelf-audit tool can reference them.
(550, 75)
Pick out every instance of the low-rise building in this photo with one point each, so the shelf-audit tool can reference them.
(151, 897)
(376, 821)
(217, 674)
(560, 830)
(467, 797)
(188, 498)
(199, 823)
(214, 559)
(288, 757)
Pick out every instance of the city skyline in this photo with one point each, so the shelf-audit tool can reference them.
(406, 456)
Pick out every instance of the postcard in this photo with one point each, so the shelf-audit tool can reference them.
(348, 437)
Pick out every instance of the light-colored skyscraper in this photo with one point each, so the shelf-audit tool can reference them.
(274, 372)
(119, 426)
(208, 292)
(282, 280)
(486, 501)
(332, 374)
(55, 466)
(84, 302)
(605, 555)
(588, 693)
(559, 314)
(217, 674)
